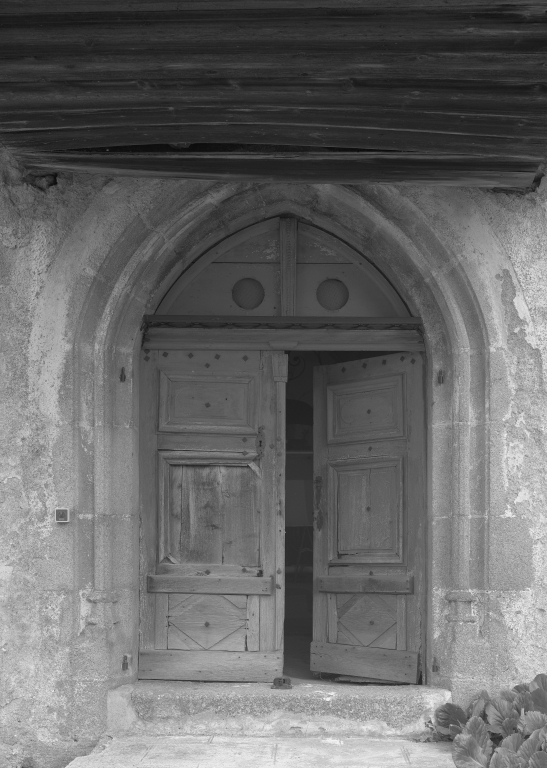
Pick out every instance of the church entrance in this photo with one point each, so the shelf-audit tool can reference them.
(282, 467)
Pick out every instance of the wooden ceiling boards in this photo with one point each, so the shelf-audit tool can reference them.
(341, 91)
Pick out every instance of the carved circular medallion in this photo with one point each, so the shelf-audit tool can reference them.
(248, 293)
(332, 294)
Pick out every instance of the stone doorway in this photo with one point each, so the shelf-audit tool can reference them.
(280, 284)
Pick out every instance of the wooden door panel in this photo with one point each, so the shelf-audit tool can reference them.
(368, 526)
(365, 663)
(198, 522)
(367, 508)
(194, 403)
(224, 666)
(369, 410)
(207, 622)
(213, 581)
(367, 620)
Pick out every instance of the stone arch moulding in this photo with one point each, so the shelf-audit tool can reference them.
(186, 221)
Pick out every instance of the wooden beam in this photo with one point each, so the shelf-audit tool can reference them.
(459, 88)
(55, 7)
(277, 321)
(395, 139)
(308, 167)
(503, 66)
(209, 585)
(444, 28)
(303, 338)
(375, 663)
(251, 666)
(209, 569)
(394, 584)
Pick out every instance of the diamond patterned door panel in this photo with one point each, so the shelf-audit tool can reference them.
(367, 620)
(369, 521)
(213, 597)
(205, 622)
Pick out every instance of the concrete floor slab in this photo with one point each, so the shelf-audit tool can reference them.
(268, 752)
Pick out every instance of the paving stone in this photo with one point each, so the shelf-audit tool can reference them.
(255, 752)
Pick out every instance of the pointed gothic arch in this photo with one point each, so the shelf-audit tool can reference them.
(144, 261)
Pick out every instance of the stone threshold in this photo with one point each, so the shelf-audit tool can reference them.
(265, 752)
(311, 708)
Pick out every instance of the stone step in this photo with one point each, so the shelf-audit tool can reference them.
(318, 708)
(266, 752)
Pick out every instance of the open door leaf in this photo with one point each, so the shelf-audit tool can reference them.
(539, 697)
(497, 711)
(468, 753)
(476, 728)
(513, 743)
(532, 721)
(539, 681)
(539, 760)
(504, 758)
(362, 645)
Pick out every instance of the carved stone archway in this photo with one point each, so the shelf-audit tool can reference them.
(128, 281)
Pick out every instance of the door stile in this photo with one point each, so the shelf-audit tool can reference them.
(280, 363)
(320, 506)
(148, 394)
(272, 466)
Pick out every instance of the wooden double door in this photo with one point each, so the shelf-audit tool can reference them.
(212, 490)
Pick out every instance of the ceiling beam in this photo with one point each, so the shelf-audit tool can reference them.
(305, 167)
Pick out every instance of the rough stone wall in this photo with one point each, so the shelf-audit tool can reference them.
(503, 240)
(56, 644)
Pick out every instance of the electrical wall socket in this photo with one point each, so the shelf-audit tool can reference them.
(62, 515)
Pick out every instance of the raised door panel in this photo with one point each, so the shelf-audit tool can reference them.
(367, 511)
(371, 410)
(210, 512)
(219, 404)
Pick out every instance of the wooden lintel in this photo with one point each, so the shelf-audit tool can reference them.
(409, 340)
(277, 321)
(305, 167)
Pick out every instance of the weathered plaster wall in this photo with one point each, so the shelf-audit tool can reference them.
(76, 256)
(502, 241)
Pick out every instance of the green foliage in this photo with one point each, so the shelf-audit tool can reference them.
(504, 731)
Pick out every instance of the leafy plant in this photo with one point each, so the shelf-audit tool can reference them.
(504, 731)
